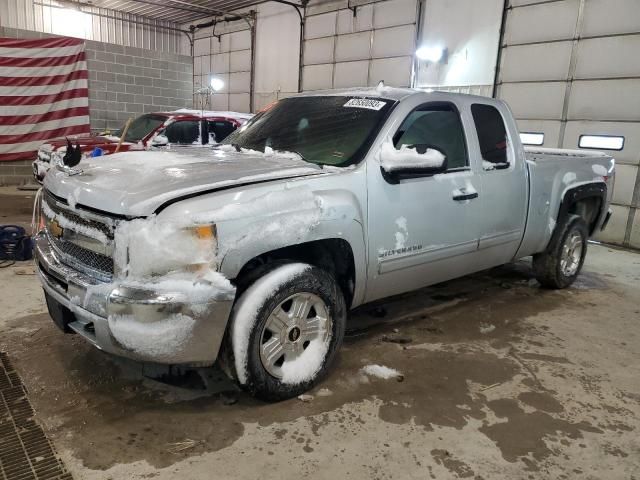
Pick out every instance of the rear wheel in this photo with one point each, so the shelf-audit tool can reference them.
(560, 264)
(286, 330)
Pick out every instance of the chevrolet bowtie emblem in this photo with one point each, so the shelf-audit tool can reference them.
(55, 229)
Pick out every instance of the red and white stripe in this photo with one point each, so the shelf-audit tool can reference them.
(44, 93)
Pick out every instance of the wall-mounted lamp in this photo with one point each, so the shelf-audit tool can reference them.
(432, 54)
(216, 84)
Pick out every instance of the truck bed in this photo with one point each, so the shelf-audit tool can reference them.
(541, 153)
(552, 172)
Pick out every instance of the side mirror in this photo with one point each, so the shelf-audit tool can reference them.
(411, 161)
(160, 140)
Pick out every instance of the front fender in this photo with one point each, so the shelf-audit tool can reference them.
(332, 215)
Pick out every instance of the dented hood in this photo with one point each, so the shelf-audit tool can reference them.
(138, 183)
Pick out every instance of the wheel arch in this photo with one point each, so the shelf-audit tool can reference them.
(588, 201)
(334, 255)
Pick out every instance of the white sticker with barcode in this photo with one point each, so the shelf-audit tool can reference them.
(365, 103)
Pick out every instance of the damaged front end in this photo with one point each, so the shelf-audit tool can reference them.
(133, 288)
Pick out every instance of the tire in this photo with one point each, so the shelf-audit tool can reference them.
(560, 264)
(286, 329)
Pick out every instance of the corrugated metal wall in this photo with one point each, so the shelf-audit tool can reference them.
(570, 68)
(91, 23)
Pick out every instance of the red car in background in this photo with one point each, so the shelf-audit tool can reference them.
(158, 130)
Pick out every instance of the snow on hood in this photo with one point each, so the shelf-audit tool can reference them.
(137, 183)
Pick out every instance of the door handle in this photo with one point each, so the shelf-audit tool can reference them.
(465, 196)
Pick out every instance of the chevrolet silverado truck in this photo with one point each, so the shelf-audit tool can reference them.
(162, 129)
(251, 253)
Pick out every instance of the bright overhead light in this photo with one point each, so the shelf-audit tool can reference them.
(430, 54)
(216, 84)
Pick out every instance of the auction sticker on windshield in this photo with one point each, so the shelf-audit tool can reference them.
(365, 103)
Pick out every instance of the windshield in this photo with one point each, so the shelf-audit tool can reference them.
(329, 130)
(142, 126)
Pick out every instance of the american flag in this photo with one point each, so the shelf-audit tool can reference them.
(43, 93)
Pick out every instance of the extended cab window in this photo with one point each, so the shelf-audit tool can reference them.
(492, 136)
(435, 126)
(183, 132)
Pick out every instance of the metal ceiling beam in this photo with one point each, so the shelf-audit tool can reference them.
(233, 5)
(198, 10)
(190, 4)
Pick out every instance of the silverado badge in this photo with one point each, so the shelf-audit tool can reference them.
(55, 229)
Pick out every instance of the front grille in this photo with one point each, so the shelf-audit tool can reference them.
(82, 256)
(86, 260)
(102, 227)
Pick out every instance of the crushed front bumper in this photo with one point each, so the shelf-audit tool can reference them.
(161, 326)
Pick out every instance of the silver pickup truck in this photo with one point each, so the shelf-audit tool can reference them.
(252, 253)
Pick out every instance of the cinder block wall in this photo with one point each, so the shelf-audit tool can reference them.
(128, 81)
(123, 82)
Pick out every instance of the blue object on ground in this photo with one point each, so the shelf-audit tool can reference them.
(15, 244)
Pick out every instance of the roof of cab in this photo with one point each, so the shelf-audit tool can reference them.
(390, 93)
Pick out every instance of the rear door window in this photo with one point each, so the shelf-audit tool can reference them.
(492, 136)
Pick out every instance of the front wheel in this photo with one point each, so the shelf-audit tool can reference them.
(560, 264)
(286, 329)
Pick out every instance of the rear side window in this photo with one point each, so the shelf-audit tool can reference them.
(435, 126)
(492, 136)
(183, 132)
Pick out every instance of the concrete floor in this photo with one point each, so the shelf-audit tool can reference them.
(502, 380)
